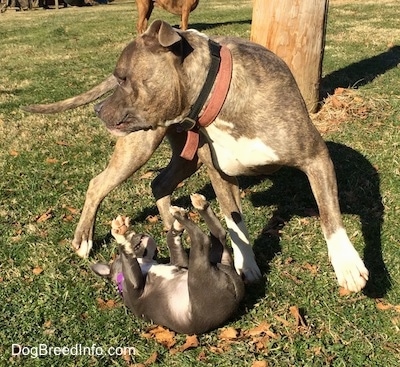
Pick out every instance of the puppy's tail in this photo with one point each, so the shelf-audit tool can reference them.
(106, 85)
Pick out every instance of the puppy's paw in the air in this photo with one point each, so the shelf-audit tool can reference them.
(178, 212)
(199, 201)
(120, 227)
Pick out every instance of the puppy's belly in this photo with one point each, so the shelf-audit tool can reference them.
(239, 156)
(168, 285)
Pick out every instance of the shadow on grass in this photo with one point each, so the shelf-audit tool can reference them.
(362, 72)
(203, 27)
(359, 194)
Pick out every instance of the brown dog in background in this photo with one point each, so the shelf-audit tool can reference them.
(178, 7)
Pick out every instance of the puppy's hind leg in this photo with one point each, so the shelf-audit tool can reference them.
(219, 252)
(177, 254)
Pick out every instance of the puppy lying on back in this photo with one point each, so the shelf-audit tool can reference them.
(191, 295)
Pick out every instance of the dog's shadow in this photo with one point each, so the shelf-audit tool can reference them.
(359, 194)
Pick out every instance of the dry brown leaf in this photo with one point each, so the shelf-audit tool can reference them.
(45, 216)
(344, 292)
(216, 350)
(152, 359)
(71, 209)
(14, 153)
(294, 310)
(313, 269)
(51, 160)
(263, 328)
(62, 143)
(260, 364)
(282, 320)
(105, 305)
(163, 336)
(229, 333)
(191, 342)
(152, 219)
(147, 175)
(202, 357)
(37, 270)
(382, 306)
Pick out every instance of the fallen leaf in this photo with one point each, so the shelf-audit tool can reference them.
(37, 270)
(260, 364)
(312, 268)
(152, 219)
(294, 310)
(228, 333)
(147, 175)
(45, 216)
(263, 328)
(51, 160)
(191, 342)
(47, 324)
(71, 209)
(14, 153)
(105, 305)
(163, 336)
(63, 143)
(152, 359)
(382, 306)
(202, 356)
(344, 292)
(282, 320)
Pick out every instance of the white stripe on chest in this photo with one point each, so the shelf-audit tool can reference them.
(238, 156)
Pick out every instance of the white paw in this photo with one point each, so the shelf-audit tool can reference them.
(84, 249)
(245, 263)
(350, 270)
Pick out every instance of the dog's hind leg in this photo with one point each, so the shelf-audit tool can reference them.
(131, 152)
(349, 268)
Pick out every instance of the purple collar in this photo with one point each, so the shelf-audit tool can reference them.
(120, 279)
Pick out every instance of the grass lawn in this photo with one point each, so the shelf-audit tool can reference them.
(297, 316)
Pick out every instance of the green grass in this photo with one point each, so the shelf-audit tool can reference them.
(46, 163)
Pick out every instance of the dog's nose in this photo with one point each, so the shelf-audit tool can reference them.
(98, 107)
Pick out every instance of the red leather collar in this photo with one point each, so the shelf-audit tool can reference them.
(214, 106)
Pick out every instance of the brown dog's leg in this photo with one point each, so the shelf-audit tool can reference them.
(177, 170)
(131, 152)
(145, 8)
(227, 190)
(349, 268)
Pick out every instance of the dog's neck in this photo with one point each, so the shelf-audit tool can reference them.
(215, 90)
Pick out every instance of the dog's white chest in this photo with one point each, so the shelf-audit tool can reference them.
(237, 156)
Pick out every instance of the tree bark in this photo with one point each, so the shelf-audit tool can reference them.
(295, 31)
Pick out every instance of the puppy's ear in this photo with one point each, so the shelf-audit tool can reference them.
(167, 36)
(101, 269)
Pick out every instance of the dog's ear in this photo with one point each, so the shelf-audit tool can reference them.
(104, 270)
(167, 36)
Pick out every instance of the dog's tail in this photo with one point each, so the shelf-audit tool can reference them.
(106, 85)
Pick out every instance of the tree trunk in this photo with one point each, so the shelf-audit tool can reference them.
(295, 31)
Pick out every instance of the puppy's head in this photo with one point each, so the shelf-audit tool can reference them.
(140, 246)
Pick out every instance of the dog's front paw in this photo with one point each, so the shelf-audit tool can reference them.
(350, 270)
(84, 249)
(199, 201)
(119, 228)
